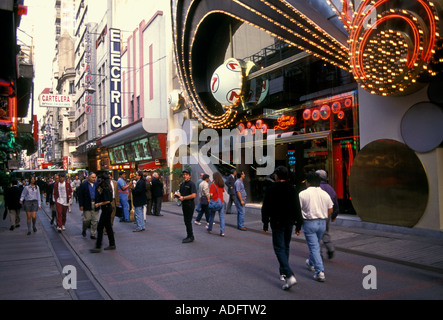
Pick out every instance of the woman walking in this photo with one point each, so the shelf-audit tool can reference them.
(216, 191)
(31, 201)
(103, 200)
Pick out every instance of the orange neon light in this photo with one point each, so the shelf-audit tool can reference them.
(422, 47)
(284, 122)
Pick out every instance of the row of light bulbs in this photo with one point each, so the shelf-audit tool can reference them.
(380, 64)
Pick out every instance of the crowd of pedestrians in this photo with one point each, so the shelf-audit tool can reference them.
(284, 208)
(102, 198)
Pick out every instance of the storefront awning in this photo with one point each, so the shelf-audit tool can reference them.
(87, 146)
(133, 131)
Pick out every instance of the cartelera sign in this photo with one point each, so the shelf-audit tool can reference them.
(55, 101)
(116, 81)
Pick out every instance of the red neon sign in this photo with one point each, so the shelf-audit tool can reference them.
(284, 122)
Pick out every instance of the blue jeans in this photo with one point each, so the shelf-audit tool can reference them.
(314, 230)
(281, 238)
(125, 205)
(222, 219)
(139, 219)
(204, 209)
(240, 213)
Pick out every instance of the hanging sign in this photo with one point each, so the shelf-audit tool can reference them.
(116, 81)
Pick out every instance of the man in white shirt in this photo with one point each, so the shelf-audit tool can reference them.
(316, 207)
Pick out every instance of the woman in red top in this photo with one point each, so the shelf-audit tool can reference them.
(216, 191)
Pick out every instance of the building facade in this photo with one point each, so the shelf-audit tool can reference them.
(140, 143)
(338, 83)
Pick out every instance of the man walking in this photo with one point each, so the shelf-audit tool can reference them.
(230, 184)
(187, 193)
(203, 192)
(75, 184)
(316, 207)
(86, 199)
(281, 208)
(115, 197)
(50, 197)
(139, 201)
(148, 208)
(62, 196)
(199, 181)
(240, 200)
(330, 249)
(123, 193)
(12, 202)
(157, 194)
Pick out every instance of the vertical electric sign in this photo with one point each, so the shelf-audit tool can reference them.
(87, 81)
(116, 81)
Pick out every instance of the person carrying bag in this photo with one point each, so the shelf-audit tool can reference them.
(216, 203)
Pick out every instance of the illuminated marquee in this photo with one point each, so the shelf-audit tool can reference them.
(389, 46)
(116, 81)
(390, 43)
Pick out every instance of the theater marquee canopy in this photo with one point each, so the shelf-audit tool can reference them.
(389, 46)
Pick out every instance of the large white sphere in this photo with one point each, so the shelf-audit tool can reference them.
(227, 82)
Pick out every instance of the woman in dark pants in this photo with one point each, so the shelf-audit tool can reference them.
(103, 200)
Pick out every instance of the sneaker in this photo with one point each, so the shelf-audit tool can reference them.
(310, 266)
(59, 229)
(197, 223)
(282, 277)
(222, 234)
(319, 277)
(63, 228)
(289, 283)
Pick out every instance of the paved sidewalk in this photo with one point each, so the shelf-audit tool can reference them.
(413, 247)
(30, 266)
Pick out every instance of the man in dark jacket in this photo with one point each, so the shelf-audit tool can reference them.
(50, 197)
(86, 201)
(281, 208)
(139, 201)
(187, 193)
(231, 190)
(157, 194)
(12, 203)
